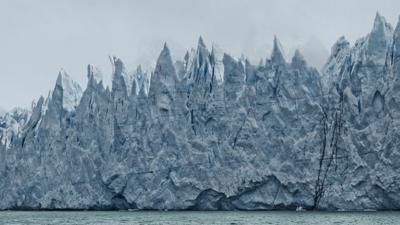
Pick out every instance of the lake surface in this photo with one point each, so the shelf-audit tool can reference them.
(196, 218)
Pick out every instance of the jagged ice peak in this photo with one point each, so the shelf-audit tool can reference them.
(277, 55)
(71, 90)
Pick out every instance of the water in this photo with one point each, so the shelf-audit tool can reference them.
(196, 218)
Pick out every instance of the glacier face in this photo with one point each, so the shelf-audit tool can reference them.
(214, 132)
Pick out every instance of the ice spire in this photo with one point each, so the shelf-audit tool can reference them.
(71, 91)
(380, 24)
(201, 43)
(339, 45)
(379, 40)
(202, 51)
(217, 56)
(164, 74)
(298, 59)
(94, 74)
(119, 83)
(277, 56)
(165, 68)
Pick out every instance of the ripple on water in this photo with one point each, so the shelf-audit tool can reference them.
(196, 218)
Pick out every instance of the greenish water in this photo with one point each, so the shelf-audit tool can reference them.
(196, 218)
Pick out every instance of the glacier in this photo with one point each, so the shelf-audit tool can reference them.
(214, 132)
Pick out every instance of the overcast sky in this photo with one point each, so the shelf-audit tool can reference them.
(38, 38)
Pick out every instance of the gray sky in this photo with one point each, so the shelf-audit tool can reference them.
(37, 38)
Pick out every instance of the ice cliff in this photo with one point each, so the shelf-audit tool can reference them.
(215, 132)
